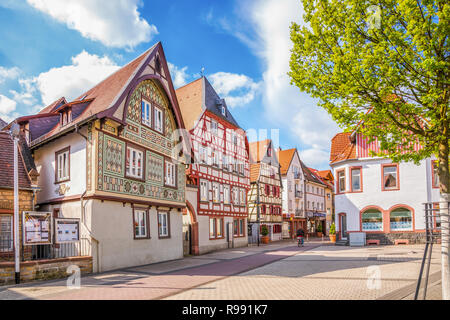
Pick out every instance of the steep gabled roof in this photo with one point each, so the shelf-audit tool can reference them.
(309, 175)
(342, 148)
(7, 162)
(258, 150)
(285, 159)
(254, 171)
(108, 98)
(323, 176)
(198, 96)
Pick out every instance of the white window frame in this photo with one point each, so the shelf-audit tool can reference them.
(138, 214)
(226, 194)
(214, 127)
(171, 174)
(163, 224)
(159, 121)
(204, 190)
(139, 154)
(146, 112)
(213, 226)
(63, 166)
(216, 192)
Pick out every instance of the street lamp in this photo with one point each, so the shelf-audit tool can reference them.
(14, 132)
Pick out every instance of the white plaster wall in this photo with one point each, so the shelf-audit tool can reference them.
(415, 189)
(44, 158)
(312, 196)
(112, 226)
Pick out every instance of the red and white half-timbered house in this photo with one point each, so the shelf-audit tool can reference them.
(218, 176)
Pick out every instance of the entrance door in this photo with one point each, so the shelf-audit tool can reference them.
(187, 240)
(344, 227)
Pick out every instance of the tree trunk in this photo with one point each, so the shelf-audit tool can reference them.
(444, 179)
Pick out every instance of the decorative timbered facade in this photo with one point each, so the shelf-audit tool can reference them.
(107, 159)
(218, 174)
(265, 196)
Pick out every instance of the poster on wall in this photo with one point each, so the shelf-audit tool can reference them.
(67, 230)
(37, 227)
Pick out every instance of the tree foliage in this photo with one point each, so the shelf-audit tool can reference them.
(384, 64)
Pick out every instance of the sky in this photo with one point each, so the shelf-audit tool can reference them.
(53, 48)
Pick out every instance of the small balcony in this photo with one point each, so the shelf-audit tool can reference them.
(298, 194)
(297, 176)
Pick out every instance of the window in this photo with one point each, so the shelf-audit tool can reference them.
(224, 112)
(214, 127)
(215, 228)
(224, 162)
(341, 181)
(170, 177)
(203, 154)
(146, 113)
(235, 196)
(216, 194)
(140, 219)
(134, 163)
(63, 165)
(435, 175)
(241, 227)
(219, 228)
(372, 220)
(158, 120)
(242, 196)
(212, 227)
(400, 219)
(356, 179)
(163, 224)
(6, 233)
(204, 190)
(226, 194)
(235, 227)
(390, 177)
(215, 157)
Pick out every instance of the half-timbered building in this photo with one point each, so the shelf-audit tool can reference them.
(218, 175)
(265, 196)
(106, 159)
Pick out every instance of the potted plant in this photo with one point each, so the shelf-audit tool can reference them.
(332, 233)
(264, 234)
(319, 230)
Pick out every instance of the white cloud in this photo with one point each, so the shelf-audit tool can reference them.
(179, 75)
(72, 80)
(284, 105)
(115, 23)
(7, 108)
(237, 89)
(8, 73)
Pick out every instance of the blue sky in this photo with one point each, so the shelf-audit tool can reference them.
(52, 48)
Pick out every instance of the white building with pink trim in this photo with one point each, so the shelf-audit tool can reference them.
(385, 200)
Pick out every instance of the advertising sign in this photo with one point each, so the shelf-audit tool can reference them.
(37, 228)
(67, 230)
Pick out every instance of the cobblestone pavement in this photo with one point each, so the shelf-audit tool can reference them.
(329, 272)
(162, 279)
(276, 271)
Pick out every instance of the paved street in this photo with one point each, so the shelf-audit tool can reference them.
(276, 271)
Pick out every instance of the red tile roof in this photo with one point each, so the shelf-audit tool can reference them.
(342, 148)
(7, 164)
(257, 150)
(285, 158)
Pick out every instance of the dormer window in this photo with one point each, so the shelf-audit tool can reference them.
(224, 111)
(66, 117)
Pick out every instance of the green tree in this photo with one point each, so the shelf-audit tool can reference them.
(382, 68)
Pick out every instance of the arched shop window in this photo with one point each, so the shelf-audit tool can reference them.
(372, 220)
(401, 219)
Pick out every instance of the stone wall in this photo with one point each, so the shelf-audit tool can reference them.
(7, 208)
(43, 269)
(389, 238)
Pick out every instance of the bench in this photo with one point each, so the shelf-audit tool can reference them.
(373, 241)
(401, 241)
